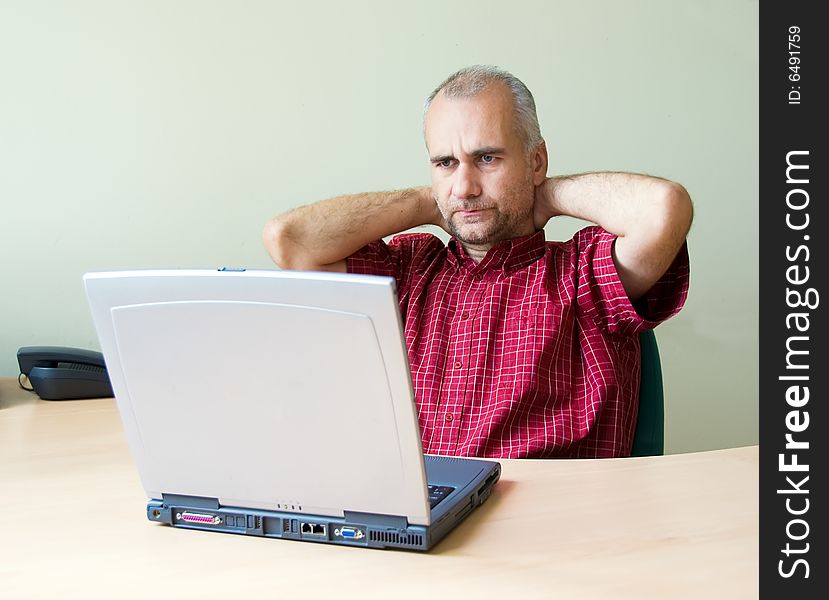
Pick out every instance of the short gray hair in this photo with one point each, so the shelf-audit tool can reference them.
(471, 81)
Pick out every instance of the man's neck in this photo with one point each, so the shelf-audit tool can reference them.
(476, 252)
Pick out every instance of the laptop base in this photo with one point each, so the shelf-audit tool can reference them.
(353, 529)
(380, 533)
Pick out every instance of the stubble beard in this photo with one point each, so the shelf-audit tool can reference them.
(496, 223)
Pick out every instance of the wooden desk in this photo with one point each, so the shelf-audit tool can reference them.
(678, 526)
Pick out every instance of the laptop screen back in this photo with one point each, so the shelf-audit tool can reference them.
(266, 389)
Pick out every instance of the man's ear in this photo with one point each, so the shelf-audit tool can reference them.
(539, 162)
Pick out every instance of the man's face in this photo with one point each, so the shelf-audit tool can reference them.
(482, 178)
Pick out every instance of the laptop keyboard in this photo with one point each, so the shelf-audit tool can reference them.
(438, 493)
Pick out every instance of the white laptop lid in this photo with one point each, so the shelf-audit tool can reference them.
(279, 390)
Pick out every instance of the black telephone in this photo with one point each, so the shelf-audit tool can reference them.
(58, 373)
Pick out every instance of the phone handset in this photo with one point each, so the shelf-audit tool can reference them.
(61, 373)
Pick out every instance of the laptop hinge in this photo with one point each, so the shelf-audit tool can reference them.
(393, 521)
(194, 501)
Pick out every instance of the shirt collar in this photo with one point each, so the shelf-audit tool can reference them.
(509, 255)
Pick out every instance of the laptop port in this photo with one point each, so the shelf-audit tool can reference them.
(349, 533)
(312, 529)
(202, 518)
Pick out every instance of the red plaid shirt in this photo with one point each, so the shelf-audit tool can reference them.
(533, 352)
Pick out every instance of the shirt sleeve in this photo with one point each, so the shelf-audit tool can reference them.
(376, 258)
(602, 295)
(404, 256)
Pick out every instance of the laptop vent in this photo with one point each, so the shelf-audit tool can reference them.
(395, 538)
(444, 459)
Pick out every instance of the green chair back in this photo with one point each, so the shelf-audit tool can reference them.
(649, 437)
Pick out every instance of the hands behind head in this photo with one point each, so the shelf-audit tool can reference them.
(435, 216)
(543, 209)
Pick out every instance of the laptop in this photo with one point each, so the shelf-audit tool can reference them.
(277, 404)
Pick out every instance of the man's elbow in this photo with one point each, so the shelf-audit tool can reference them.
(673, 214)
(677, 210)
(277, 241)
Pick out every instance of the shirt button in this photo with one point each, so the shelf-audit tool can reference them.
(448, 417)
(465, 315)
(458, 364)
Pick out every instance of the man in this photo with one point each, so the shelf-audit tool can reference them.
(518, 347)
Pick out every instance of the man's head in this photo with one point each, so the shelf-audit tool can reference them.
(487, 155)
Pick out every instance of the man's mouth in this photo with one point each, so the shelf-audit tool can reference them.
(471, 212)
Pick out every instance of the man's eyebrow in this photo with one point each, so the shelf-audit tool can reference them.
(488, 150)
(478, 152)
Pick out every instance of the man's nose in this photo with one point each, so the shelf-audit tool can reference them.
(466, 184)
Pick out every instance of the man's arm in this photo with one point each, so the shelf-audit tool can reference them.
(650, 216)
(321, 236)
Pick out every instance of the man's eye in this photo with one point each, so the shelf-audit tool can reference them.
(445, 163)
(487, 158)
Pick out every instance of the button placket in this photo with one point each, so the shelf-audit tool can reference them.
(460, 358)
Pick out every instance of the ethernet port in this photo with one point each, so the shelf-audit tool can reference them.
(315, 529)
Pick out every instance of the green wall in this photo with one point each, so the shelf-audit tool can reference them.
(164, 134)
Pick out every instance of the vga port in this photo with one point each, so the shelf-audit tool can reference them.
(350, 533)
